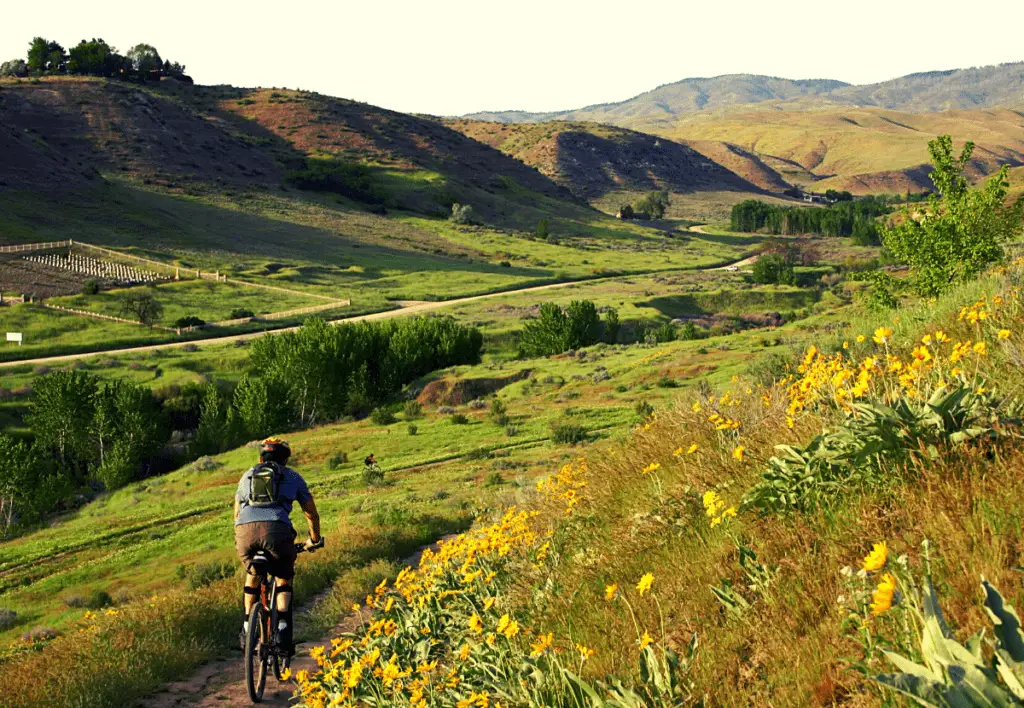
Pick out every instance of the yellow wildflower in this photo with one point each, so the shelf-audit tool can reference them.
(882, 335)
(739, 453)
(876, 559)
(475, 625)
(645, 640)
(645, 583)
(610, 591)
(585, 652)
(1004, 334)
(653, 467)
(980, 348)
(881, 598)
(860, 338)
(542, 644)
(692, 449)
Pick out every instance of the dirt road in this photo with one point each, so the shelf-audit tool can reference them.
(404, 308)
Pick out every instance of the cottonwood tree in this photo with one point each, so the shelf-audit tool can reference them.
(962, 229)
(143, 307)
(61, 413)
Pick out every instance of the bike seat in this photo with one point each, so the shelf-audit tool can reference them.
(260, 562)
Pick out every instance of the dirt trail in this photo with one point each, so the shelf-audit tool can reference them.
(222, 682)
(407, 307)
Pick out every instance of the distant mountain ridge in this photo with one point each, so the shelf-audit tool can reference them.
(923, 92)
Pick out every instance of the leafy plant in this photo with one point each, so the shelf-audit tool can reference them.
(382, 416)
(954, 674)
(962, 229)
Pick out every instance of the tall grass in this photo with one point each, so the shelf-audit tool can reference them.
(110, 660)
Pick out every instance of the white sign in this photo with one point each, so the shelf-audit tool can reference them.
(14, 337)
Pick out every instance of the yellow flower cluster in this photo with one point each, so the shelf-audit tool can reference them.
(564, 487)
(716, 510)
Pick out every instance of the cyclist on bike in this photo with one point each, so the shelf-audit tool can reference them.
(263, 502)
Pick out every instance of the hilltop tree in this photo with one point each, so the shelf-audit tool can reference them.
(144, 58)
(653, 205)
(14, 67)
(45, 56)
(961, 231)
(95, 58)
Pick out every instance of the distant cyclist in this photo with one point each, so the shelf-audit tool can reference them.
(263, 502)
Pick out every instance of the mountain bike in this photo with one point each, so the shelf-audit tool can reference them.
(261, 646)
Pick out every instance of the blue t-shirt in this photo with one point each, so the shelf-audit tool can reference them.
(293, 488)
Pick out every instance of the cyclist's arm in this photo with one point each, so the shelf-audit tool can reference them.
(312, 518)
(238, 508)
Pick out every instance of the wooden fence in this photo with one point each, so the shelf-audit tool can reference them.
(25, 247)
(97, 315)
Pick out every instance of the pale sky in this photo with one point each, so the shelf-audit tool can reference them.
(449, 57)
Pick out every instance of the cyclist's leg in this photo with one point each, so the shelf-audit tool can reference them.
(282, 542)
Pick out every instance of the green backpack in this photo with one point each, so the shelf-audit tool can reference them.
(265, 485)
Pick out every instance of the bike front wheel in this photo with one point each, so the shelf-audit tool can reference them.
(256, 654)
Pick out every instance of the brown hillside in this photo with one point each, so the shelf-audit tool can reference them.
(315, 124)
(592, 160)
(860, 149)
(741, 162)
(86, 125)
(174, 133)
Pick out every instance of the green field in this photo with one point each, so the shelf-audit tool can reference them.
(209, 300)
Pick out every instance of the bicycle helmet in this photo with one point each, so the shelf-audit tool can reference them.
(275, 450)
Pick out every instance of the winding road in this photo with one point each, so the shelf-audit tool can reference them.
(405, 308)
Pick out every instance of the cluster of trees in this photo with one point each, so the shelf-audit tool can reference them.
(652, 206)
(845, 218)
(95, 434)
(961, 231)
(778, 260)
(86, 432)
(349, 179)
(322, 372)
(92, 58)
(556, 330)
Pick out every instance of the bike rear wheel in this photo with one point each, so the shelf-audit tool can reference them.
(256, 654)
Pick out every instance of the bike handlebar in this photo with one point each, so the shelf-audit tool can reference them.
(301, 547)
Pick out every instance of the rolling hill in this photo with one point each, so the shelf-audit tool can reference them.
(591, 160)
(821, 134)
(959, 89)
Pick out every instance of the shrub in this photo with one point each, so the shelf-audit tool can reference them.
(568, 434)
(7, 618)
(480, 453)
(461, 214)
(91, 287)
(241, 313)
(412, 409)
(459, 419)
(203, 574)
(337, 460)
(446, 410)
(511, 431)
(328, 174)
(189, 321)
(773, 269)
(477, 404)
(373, 476)
(643, 409)
(412, 429)
(689, 331)
(665, 333)
(667, 382)
(382, 416)
(494, 479)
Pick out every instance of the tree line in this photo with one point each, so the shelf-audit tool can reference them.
(846, 218)
(91, 434)
(92, 58)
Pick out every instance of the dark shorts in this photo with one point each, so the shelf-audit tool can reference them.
(274, 537)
